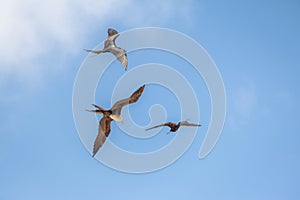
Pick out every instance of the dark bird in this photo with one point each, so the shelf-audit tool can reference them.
(112, 114)
(110, 46)
(174, 127)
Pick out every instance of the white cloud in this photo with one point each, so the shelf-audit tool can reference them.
(32, 29)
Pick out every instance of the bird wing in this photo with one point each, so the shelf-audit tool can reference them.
(117, 107)
(186, 123)
(120, 55)
(93, 51)
(169, 124)
(103, 132)
(157, 126)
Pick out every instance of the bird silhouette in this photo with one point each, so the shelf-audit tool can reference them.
(174, 127)
(110, 46)
(112, 114)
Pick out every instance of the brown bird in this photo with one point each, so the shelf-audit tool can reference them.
(110, 115)
(110, 46)
(174, 127)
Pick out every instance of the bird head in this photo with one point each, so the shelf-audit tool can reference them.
(111, 32)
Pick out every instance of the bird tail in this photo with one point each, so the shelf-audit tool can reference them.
(96, 111)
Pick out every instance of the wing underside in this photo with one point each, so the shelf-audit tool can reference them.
(103, 132)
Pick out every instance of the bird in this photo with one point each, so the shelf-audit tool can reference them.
(110, 46)
(114, 113)
(173, 126)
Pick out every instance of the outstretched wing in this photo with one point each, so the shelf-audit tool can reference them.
(120, 55)
(117, 107)
(186, 123)
(93, 51)
(103, 132)
(157, 126)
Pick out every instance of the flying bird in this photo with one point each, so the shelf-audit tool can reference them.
(112, 114)
(174, 127)
(110, 46)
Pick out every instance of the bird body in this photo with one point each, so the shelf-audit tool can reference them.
(111, 47)
(174, 127)
(112, 114)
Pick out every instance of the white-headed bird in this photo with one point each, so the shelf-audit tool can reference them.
(112, 114)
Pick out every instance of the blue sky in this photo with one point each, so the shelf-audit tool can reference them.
(255, 45)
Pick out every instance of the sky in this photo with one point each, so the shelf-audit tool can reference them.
(254, 44)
